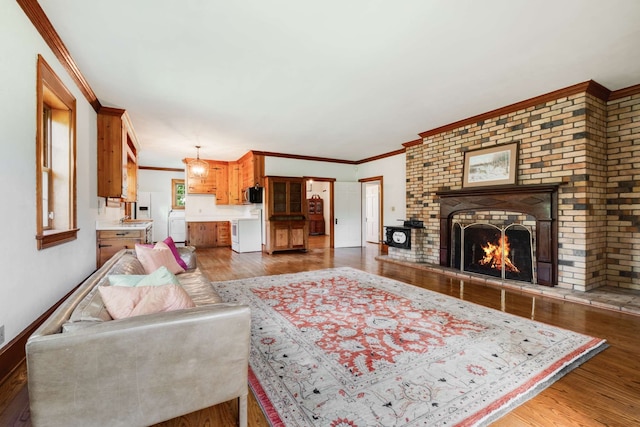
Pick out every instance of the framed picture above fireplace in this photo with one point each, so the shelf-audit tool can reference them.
(491, 166)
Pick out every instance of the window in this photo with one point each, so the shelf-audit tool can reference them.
(177, 193)
(55, 160)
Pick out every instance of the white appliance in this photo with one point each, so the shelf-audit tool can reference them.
(246, 235)
(177, 226)
(154, 205)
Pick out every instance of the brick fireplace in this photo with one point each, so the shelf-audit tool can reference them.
(506, 206)
(579, 141)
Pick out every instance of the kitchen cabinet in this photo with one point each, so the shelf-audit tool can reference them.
(117, 155)
(216, 182)
(227, 180)
(235, 189)
(201, 185)
(251, 171)
(208, 234)
(108, 242)
(222, 182)
(315, 208)
(286, 216)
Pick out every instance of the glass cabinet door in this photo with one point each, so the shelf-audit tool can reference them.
(279, 197)
(295, 197)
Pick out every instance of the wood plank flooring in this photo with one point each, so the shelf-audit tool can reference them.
(604, 391)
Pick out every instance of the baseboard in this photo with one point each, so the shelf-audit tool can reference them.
(12, 355)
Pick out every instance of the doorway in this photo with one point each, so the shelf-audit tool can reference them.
(319, 208)
(372, 209)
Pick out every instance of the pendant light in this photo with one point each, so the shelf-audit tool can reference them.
(198, 168)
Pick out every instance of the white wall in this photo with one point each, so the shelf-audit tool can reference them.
(35, 280)
(279, 166)
(393, 171)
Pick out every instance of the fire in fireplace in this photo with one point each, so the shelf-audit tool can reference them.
(505, 252)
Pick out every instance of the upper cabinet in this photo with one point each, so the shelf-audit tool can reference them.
(285, 198)
(227, 180)
(117, 155)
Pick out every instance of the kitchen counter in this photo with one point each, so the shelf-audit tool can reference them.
(117, 225)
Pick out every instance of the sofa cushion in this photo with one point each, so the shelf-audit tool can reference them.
(162, 276)
(160, 255)
(127, 264)
(91, 308)
(122, 302)
(199, 288)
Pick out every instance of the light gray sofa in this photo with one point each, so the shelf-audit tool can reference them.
(85, 369)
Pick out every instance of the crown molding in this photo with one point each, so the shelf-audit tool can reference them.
(591, 87)
(156, 168)
(40, 21)
(622, 93)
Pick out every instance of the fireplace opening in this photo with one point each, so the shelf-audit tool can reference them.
(505, 252)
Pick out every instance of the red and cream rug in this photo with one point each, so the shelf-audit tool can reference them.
(345, 348)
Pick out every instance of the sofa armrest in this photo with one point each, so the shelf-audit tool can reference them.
(140, 370)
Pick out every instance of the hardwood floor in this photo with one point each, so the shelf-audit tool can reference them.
(605, 391)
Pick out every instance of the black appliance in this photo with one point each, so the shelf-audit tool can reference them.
(253, 195)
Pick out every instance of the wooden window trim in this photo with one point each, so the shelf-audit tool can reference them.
(174, 183)
(50, 90)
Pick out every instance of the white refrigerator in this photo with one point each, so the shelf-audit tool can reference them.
(154, 205)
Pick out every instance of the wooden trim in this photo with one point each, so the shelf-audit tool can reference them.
(42, 24)
(412, 143)
(314, 178)
(622, 93)
(380, 204)
(54, 238)
(301, 157)
(154, 168)
(12, 355)
(590, 87)
(382, 156)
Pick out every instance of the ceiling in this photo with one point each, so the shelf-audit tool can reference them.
(340, 79)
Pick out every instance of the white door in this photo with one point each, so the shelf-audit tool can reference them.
(372, 212)
(347, 214)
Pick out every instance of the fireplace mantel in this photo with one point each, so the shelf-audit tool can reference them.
(539, 201)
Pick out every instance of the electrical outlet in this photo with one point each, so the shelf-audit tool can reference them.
(1, 334)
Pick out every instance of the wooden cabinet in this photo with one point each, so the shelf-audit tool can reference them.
(227, 180)
(287, 227)
(208, 234)
(235, 189)
(222, 182)
(109, 242)
(117, 155)
(201, 185)
(315, 209)
(251, 171)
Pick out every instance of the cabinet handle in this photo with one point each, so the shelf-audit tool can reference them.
(104, 246)
(121, 234)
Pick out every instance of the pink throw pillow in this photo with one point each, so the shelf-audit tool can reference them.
(122, 302)
(174, 250)
(156, 257)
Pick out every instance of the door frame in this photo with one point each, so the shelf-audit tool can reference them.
(380, 179)
(331, 192)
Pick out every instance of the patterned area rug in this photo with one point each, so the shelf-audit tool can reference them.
(345, 348)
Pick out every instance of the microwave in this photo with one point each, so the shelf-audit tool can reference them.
(253, 195)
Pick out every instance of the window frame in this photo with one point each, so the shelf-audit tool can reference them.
(50, 91)
(174, 193)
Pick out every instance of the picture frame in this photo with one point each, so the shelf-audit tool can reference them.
(178, 192)
(491, 166)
